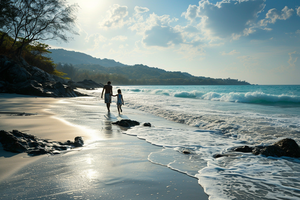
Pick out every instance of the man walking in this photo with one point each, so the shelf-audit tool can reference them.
(108, 93)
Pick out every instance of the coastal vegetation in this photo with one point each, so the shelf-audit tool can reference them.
(79, 66)
(138, 75)
(24, 23)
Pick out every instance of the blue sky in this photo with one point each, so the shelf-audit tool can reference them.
(253, 40)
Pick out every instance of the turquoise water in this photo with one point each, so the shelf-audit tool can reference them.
(219, 118)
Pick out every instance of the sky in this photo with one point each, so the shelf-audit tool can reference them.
(257, 41)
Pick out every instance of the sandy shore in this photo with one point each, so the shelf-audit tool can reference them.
(113, 167)
(30, 115)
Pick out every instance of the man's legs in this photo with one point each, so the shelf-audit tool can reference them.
(108, 107)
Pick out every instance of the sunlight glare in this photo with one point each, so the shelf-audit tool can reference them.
(90, 5)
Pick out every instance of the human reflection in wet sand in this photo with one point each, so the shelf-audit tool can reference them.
(107, 129)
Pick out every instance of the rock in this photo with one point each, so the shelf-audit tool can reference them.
(147, 124)
(289, 146)
(219, 155)
(185, 151)
(224, 155)
(285, 147)
(126, 123)
(245, 149)
(21, 78)
(18, 142)
(78, 142)
(10, 142)
(16, 74)
(31, 87)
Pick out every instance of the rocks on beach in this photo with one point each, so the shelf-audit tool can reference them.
(18, 142)
(285, 147)
(129, 123)
(22, 78)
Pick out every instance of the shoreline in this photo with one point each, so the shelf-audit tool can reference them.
(118, 153)
(39, 122)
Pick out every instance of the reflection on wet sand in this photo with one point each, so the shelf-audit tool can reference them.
(107, 129)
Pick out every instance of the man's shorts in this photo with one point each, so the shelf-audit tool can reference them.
(107, 98)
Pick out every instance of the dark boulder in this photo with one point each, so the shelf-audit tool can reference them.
(31, 87)
(16, 76)
(285, 147)
(126, 123)
(18, 142)
(147, 124)
(78, 142)
(15, 73)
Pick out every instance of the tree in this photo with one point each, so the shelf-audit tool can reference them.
(39, 20)
(7, 14)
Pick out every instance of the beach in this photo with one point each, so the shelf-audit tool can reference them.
(172, 159)
(111, 164)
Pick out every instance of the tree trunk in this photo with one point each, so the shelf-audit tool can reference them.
(19, 50)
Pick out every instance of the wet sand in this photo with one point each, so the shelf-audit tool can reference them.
(113, 166)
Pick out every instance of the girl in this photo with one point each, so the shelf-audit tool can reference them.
(120, 100)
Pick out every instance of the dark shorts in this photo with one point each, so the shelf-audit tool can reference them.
(107, 98)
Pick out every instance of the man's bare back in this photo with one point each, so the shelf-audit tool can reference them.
(108, 89)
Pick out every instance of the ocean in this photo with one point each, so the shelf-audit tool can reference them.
(222, 117)
(215, 119)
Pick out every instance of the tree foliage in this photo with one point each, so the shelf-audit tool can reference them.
(138, 75)
(35, 20)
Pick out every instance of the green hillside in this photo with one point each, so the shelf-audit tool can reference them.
(79, 66)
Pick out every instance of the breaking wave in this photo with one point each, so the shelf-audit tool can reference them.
(256, 97)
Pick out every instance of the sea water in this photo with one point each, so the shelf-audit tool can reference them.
(219, 118)
(215, 119)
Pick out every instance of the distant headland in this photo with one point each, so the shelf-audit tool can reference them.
(79, 66)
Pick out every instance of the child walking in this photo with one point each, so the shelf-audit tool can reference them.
(120, 100)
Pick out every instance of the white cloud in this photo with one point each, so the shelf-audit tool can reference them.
(226, 19)
(298, 11)
(140, 9)
(156, 30)
(115, 18)
(119, 38)
(140, 25)
(293, 59)
(273, 15)
(94, 40)
(248, 31)
(231, 53)
(191, 12)
(162, 36)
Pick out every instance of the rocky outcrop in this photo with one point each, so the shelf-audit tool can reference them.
(18, 142)
(285, 147)
(85, 84)
(22, 78)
